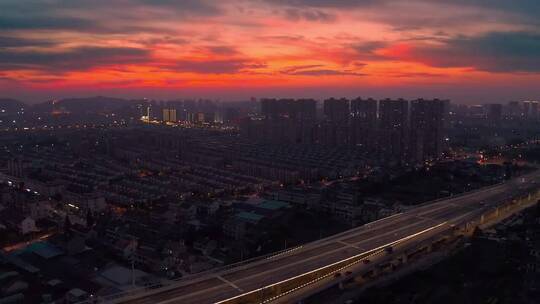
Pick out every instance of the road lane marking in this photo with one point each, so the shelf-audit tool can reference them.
(335, 263)
(348, 244)
(284, 252)
(328, 253)
(432, 210)
(382, 219)
(230, 283)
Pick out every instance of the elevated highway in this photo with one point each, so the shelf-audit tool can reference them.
(304, 269)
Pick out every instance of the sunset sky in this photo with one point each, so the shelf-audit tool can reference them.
(467, 50)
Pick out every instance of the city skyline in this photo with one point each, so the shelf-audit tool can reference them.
(465, 51)
(269, 151)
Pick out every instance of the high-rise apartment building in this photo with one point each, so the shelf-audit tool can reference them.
(513, 109)
(336, 110)
(334, 130)
(305, 109)
(526, 109)
(393, 129)
(364, 123)
(287, 121)
(169, 115)
(301, 109)
(494, 113)
(427, 125)
(535, 113)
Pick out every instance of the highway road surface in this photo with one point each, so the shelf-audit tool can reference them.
(420, 222)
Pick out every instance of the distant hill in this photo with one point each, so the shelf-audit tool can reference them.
(11, 105)
(99, 104)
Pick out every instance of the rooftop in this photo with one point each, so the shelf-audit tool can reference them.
(273, 205)
(250, 217)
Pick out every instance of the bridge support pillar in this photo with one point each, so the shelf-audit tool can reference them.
(404, 258)
(482, 219)
(467, 227)
(341, 286)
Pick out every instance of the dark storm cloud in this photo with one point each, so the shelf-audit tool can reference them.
(222, 50)
(493, 52)
(318, 70)
(325, 72)
(44, 22)
(15, 42)
(48, 20)
(196, 7)
(370, 46)
(35, 15)
(366, 50)
(155, 41)
(414, 75)
(213, 66)
(199, 7)
(326, 3)
(313, 15)
(529, 8)
(296, 68)
(68, 14)
(82, 58)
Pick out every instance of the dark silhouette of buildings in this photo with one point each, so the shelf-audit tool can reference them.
(393, 129)
(336, 110)
(535, 112)
(494, 113)
(390, 130)
(302, 109)
(427, 129)
(364, 123)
